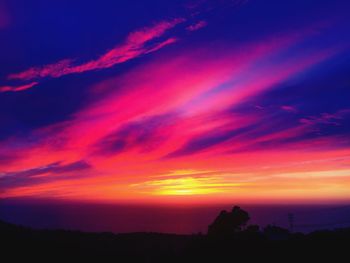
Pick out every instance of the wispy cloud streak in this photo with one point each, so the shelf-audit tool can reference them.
(137, 43)
(17, 88)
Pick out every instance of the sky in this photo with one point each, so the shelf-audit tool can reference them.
(175, 101)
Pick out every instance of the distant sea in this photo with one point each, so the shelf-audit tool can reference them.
(164, 219)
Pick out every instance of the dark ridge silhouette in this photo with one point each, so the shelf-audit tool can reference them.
(229, 239)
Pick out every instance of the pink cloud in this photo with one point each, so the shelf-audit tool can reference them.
(162, 44)
(17, 88)
(135, 45)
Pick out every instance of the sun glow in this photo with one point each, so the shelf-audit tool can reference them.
(188, 185)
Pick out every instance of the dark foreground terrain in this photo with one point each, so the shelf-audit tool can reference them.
(223, 243)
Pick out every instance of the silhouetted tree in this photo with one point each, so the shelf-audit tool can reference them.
(228, 223)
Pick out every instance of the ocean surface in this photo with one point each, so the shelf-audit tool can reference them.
(165, 219)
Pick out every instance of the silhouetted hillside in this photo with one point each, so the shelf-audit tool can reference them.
(244, 242)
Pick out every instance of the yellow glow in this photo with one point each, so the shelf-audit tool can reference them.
(187, 186)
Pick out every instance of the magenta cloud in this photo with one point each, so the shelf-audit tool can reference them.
(18, 88)
(136, 44)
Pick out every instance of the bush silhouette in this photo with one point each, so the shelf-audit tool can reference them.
(228, 223)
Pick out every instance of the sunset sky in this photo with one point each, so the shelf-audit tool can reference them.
(175, 101)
